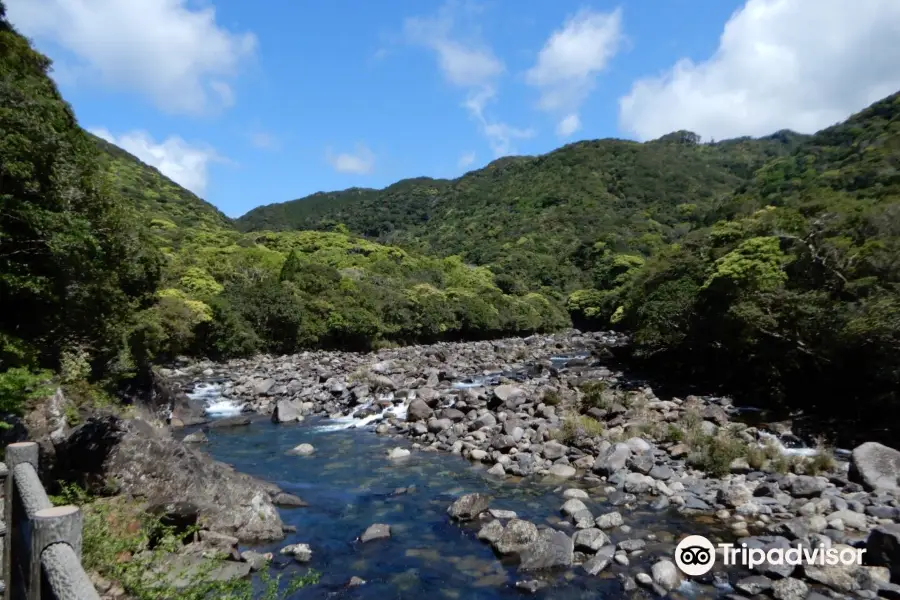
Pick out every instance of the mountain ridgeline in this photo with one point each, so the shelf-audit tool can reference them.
(769, 266)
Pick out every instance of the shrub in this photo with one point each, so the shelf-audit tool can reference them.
(18, 387)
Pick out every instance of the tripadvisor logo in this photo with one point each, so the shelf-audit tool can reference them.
(695, 555)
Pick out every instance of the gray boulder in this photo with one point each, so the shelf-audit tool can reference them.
(551, 549)
(469, 506)
(875, 466)
(516, 537)
(418, 411)
(614, 459)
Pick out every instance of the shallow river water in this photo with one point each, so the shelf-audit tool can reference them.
(350, 484)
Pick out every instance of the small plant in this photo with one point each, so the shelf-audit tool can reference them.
(19, 387)
(577, 426)
(595, 395)
(552, 398)
(821, 462)
(715, 453)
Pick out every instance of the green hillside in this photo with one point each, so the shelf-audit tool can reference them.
(532, 219)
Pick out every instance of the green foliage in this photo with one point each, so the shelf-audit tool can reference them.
(18, 387)
(127, 546)
(576, 426)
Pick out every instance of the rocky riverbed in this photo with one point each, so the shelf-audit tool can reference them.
(545, 413)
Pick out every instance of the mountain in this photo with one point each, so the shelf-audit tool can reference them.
(530, 218)
(153, 194)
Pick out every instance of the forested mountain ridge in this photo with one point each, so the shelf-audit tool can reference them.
(551, 208)
(154, 195)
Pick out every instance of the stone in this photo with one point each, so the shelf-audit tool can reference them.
(599, 561)
(562, 471)
(883, 548)
(497, 470)
(516, 537)
(572, 506)
(614, 459)
(554, 450)
(418, 411)
(875, 466)
(590, 540)
(789, 589)
(609, 520)
(499, 513)
(181, 571)
(735, 495)
(301, 552)
(469, 506)
(356, 581)
(551, 549)
(754, 584)
(852, 519)
(806, 486)
(531, 586)
(198, 437)
(285, 500)
(147, 462)
(256, 560)
(478, 454)
(661, 472)
(583, 519)
(398, 453)
(377, 531)
(287, 411)
(632, 545)
(666, 575)
(302, 450)
(636, 483)
(575, 493)
(491, 532)
(228, 422)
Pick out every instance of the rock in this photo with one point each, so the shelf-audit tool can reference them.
(287, 411)
(531, 586)
(497, 470)
(599, 561)
(789, 589)
(575, 493)
(378, 531)
(661, 472)
(226, 422)
(590, 540)
(875, 466)
(397, 453)
(382, 383)
(850, 518)
(805, 486)
(609, 520)
(666, 575)
(516, 537)
(181, 571)
(356, 581)
(636, 483)
(572, 506)
(198, 437)
(551, 549)
(301, 552)
(469, 506)
(418, 411)
(499, 513)
(838, 577)
(285, 500)
(754, 584)
(256, 560)
(735, 495)
(262, 388)
(491, 532)
(883, 548)
(554, 450)
(562, 471)
(632, 545)
(508, 395)
(147, 462)
(638, 445)
(302, 450)
(614, 459)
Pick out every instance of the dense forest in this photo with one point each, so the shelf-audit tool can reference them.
(768, 266)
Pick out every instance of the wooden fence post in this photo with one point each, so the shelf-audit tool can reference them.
(16, 454)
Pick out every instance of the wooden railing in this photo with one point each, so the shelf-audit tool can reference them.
(41, 542)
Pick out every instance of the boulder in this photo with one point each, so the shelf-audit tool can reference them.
(148, 463)
(418, 411)
(378, 531)
(875, 466)
(666, 575)
(287, 411)
(516, 537)
(614, 459)
(883, 549)
(551, 549)
(302, 450)
(469, 506)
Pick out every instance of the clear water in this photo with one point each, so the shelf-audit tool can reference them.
(350, 484)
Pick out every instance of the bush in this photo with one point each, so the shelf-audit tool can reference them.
(18, 387)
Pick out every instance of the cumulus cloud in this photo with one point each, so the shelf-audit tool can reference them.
(466, 160)
(178, 56)
(360, 162)
(183, 163)
(469, 64)
(567, 66)
(795, 64)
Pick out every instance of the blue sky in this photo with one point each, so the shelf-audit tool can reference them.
(253, 103)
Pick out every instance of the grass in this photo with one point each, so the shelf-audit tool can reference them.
(125, 545)
(576, 426)
(552, 398)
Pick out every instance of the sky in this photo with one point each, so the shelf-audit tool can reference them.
(251, 103)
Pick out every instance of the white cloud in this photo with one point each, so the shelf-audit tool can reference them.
(796, 64)
(466, 160)
(568, 64)
(568, 125)
(178, 56)
(183, 163)
(468, 64)
(361, 162)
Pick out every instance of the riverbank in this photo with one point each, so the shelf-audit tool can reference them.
(546, 407)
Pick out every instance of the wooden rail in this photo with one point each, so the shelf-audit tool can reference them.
(41, 543)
